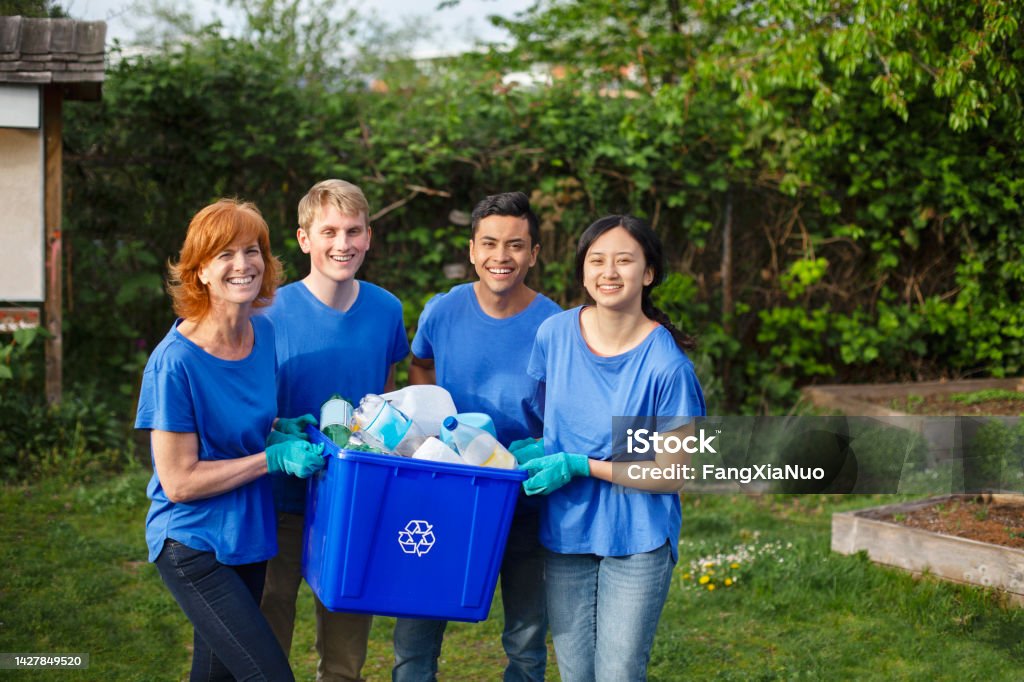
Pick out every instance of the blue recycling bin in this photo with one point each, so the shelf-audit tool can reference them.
(395, 536)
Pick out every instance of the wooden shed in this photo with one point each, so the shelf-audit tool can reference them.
(42, 63)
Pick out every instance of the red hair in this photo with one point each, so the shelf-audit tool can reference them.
(210, 232)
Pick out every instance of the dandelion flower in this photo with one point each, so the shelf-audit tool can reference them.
(686, 576)
(734, 565)
(728, 581)
(711, 586)
(704, 579)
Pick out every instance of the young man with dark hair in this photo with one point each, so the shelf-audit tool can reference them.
(475, 341)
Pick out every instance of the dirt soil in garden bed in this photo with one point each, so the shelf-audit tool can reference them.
(998, 524)
(942, 405)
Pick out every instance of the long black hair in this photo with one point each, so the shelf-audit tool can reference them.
(650, 243)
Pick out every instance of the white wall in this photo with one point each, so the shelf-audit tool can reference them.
(22, 224)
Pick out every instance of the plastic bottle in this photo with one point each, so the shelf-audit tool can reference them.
(411, 441)
(381, 420)
(477, 419)
(478, 447)
(336, 419)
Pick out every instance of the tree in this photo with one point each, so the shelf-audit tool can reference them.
(32, 8)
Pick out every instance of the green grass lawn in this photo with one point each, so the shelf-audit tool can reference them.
(74, 579)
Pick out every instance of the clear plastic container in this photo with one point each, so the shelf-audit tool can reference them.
(382, 421)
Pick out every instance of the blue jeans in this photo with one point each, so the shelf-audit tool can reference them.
(604, 612)
(231, 640)
(418, 641)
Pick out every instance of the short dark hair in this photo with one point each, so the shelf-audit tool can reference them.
(515, 204)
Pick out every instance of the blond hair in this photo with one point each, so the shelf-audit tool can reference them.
(342, 195)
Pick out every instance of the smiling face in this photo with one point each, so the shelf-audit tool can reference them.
(336, 243)
(615, 271)
(234, 274)
(502, 253)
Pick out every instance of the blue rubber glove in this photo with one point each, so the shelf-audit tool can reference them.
(295, 457)
(527, 449)
(548, 474)
(295, 427)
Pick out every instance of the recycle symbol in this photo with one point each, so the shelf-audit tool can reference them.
(417, 538)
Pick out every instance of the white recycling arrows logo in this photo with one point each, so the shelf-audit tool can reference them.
(417, 538)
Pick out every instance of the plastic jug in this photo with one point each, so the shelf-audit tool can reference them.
(381, 420)
(478, 447)
(426, 404)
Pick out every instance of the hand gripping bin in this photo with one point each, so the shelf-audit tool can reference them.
(403, 537)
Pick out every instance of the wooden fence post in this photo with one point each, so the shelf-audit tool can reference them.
(54, 144)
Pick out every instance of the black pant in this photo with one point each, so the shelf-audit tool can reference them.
(232, 639)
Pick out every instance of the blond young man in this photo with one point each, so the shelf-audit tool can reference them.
(334, 334)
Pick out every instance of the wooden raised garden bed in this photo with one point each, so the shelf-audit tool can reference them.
(949, 415)
(877, 400)
(883, 532)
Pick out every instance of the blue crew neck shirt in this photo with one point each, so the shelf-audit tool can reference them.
(321, 351)
(582, 393)
(230, 405)
(481, 360)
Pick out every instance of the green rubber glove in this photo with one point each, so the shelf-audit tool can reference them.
(295, 457)
(296, 426)
(548, 474)
(527, 449)
(276, 437)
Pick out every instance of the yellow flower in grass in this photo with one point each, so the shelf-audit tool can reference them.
(704, 579)
(734, 565)
(686, 576)
(711, 586)
(728, 581)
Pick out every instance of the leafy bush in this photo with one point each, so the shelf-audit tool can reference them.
(79, 439)
(864, 166)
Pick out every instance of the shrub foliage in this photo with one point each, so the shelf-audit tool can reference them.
(839, 185)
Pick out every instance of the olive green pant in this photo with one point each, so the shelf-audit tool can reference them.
(340, 637)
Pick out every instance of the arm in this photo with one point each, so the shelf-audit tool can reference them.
(662, 475)
(648, 475)
(185, 478)
(422, 371)
(389, 385)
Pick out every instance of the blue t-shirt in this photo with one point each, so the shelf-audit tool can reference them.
(481, 360)
(321, 351)
(582, 393)
(230, 405)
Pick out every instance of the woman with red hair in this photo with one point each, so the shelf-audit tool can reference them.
(209, 400)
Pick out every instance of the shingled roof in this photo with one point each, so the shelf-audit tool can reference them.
(59, 51)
